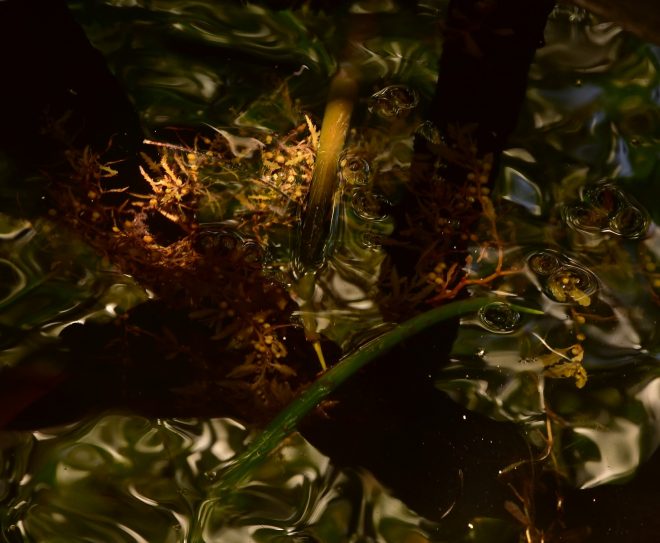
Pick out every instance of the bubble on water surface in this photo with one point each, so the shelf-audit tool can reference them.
(607, 198)
(221, 241)
(571, 284)
(630, 223)
(253, 254)
(561, 278)
(607, 209)
(371, 240)
(543, 262)
(353, 170)
(369, 206)
(226, 243)
(211, 476)
(393, 101)
(430, 132)
(584, 218)
(499, 317)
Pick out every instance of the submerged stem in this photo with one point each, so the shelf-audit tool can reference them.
(317, 219)
(286, 422)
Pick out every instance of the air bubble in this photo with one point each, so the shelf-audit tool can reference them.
(353, 170)
(543, 263)
(371, 240)
(605, 208)
(253, 254)
(227, 244)
(369, 206)
(393, 101)
(571, 284)
(218, 242)
(606, 198)
(630, 223)
(429, 132)
(211, 475)
(499, 317)
(585, 218)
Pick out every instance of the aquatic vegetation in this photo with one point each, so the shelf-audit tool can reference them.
(216, 225)
(319, 211)
(156, 237)
(249, 316)
(288, 419)
(566, 362)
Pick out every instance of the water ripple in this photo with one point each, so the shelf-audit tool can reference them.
(97, 480)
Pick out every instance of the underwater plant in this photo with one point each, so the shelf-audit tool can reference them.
(280, 253)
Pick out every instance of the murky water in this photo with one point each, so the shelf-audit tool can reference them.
(577, 214)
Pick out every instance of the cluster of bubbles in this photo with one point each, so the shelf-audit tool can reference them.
(604, 208)
(367, 206)
(227, 244)
(562, 279)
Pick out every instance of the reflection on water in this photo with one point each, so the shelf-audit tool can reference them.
(154, 475)
(192, 62)
(588, 263)
(50, 282)
(577, 194)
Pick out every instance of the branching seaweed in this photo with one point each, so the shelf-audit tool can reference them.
(155, 235)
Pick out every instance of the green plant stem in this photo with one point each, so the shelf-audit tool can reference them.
(290, 417)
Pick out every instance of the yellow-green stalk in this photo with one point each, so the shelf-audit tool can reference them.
(317, 221)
